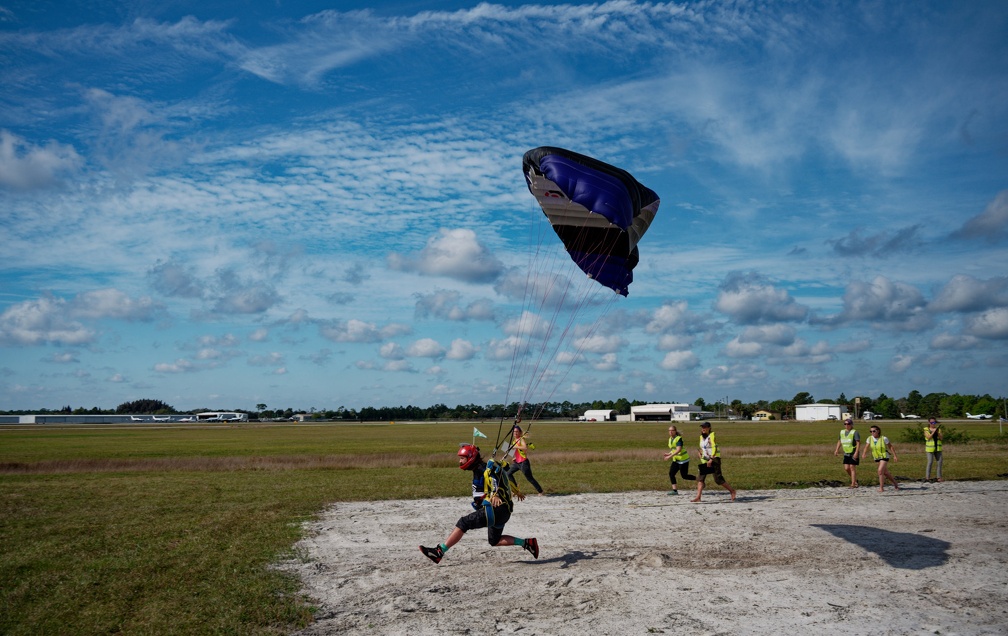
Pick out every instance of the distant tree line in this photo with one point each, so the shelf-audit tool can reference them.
(940, 405)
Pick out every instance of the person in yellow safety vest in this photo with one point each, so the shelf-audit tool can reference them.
(850, 442)
(679, 457)
(933, 448)
(881, 449)
(710, 462)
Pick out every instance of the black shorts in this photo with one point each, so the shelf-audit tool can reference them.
(851, 459)
(713, 469)
(478, 519)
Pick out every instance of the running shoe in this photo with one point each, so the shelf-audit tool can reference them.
(531, 545)
(435, 553)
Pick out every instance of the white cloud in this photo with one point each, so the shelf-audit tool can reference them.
(392, 351)
(749, 299)
(426, 348)
(446, 305)
(42, 321)
(461, 350)
(354, 330)
(991, 324)
(991, 225)
(679, 361)
(453, 254)
(25, 166)
(965, 293)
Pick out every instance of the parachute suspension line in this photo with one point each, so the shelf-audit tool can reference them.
(582, 293)
(524, 328)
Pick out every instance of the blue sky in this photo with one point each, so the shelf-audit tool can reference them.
(322, 204)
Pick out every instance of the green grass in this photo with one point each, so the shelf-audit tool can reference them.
(173, 529)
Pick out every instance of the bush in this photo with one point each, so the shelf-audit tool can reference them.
(915, 435)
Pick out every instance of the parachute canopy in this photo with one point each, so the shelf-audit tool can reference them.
(599, 211)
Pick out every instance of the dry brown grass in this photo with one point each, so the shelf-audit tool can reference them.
(222, 464)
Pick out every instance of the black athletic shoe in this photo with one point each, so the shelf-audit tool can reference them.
(435, 553)
(531, 545)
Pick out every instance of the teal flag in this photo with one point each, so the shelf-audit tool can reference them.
(476, 433)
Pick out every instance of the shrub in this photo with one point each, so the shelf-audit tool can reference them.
(915, 435)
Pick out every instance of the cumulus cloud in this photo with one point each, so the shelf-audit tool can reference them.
(955, 342)
(180, 365)
(112, 303)
(354, 330)
(240, 296)
(426, 348)
(991, 324)
(965, 293)
(679, 361)
(900, 363)
(446, 305)
(453, 254)
(269, 360)
(461, 350)
(881, 245)
(26, 166)
(889, 304)
(991, 225)
(734, 375)
(598, 343)
(527, 325)
(175, 279)
(749, 299)
(392, 351)
(54, 320)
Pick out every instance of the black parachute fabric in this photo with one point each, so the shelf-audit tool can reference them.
(599, 211)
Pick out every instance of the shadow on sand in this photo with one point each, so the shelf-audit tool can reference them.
(904, 550)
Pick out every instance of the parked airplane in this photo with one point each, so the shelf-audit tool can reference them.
(136, 418)
(982, 416)
(188, 419)
(163, 418)
(910, 417)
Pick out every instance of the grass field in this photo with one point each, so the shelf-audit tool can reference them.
(173, 529)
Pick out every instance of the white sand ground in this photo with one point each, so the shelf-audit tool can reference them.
(929, 559)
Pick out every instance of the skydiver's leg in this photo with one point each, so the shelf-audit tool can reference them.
(938, 458)
(526, 468)
(927, 470)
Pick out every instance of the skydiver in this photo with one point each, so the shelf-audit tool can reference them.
(492, 504)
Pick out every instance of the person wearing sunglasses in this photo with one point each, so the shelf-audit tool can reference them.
(882, 451)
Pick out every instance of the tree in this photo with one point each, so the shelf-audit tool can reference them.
(151, 407)
(803, 398)
(260, 407)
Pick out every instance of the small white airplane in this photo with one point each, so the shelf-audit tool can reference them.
(910, 417)
(188, 419)
(162, 418)
(136, 418)
(982, 416)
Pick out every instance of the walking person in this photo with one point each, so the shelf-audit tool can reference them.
(881, 449)
(521, 448)
(933, 448)
(679, 457)
(710, 462)
(850, 442)
(491, 493)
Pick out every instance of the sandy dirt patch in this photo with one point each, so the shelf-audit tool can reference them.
(929, 559)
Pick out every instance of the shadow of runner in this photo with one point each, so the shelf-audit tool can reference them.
(904, 550)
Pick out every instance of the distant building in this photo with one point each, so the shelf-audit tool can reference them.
(820, 412)
(667, 413)
(599, 415)
(763, 416)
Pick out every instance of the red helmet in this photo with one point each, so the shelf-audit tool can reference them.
(470, 453)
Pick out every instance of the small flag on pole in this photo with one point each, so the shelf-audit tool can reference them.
(476, 433)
